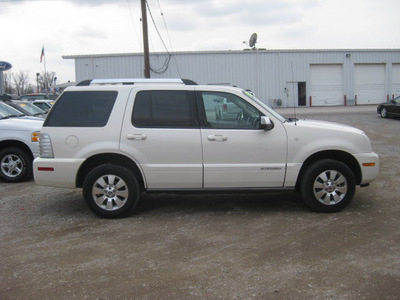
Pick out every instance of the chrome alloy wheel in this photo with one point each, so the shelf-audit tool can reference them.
(383, 112)
(12, 165)
(110, 192)
(330, 187)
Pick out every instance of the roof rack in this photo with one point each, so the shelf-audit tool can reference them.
(131, 81)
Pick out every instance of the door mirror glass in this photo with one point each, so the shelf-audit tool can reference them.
(266, 123)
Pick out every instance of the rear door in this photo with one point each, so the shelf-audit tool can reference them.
(161, 132)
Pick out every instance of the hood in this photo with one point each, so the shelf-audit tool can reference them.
(328, 125)
(23, 123)
(315, 136)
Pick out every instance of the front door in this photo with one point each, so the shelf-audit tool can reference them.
(236, 153)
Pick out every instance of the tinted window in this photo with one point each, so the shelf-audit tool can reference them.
(165, 109)
(82, 109)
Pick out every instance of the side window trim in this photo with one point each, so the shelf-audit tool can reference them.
(201, 110)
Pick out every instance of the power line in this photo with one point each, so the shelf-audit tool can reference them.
(158, 32)
(169, 38)
(165, 66)
(133, 23)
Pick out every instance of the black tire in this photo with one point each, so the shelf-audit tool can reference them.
(111, 191)
(327, 186)
(15, 164)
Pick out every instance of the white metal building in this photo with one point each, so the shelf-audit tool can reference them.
(277, 77)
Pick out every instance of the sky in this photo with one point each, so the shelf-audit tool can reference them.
(79, 27)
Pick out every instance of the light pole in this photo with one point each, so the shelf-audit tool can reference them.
(37, 81)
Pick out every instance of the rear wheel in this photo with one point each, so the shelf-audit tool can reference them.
(328, 186)
(111, 191)
(15, 164)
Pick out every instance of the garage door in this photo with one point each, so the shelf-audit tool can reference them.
(369, 84)
(396, 80)
(326, 85)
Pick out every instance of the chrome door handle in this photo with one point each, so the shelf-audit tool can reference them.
(139, 137)
(217, 137)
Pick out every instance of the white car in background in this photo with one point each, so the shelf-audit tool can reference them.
(44, 104)
(19, 144)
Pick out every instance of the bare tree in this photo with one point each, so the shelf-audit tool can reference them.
(46, 80)
(8, 88)
(21, 82)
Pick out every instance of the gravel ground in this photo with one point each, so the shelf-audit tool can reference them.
(242, 246)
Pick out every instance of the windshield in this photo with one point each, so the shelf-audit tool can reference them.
(7, 111)
(31, 108)
(266, 107)
(34, 97)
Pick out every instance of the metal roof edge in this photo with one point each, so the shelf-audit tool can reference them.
(230, 51)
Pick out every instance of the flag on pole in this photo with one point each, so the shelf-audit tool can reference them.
(42, 54)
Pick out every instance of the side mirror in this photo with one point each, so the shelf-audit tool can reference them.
(266, 123)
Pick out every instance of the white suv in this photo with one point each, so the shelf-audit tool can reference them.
(119, 138)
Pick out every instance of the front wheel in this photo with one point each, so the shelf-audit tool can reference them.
(328, 186)
(111, 191)
(384, 113)
(15, 165)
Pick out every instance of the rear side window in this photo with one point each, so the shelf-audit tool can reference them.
(82, 109)
(165, 109)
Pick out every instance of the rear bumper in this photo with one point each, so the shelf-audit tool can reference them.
(56, 172)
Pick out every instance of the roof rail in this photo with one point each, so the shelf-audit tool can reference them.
(130, 81)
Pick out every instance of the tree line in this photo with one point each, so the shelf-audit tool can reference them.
(19, 83)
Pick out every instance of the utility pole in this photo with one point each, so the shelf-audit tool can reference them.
(145, 40)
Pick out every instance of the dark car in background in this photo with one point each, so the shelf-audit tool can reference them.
(390, 109)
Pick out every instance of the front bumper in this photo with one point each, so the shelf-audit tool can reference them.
(369, 164)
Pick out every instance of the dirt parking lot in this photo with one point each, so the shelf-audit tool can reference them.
(242, 246)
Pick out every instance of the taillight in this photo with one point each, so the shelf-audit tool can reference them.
(45, 147)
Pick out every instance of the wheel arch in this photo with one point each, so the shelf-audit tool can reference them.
(338, 155)
(99, 159)
(18, 144)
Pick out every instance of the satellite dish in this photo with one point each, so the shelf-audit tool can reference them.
(253, 40)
